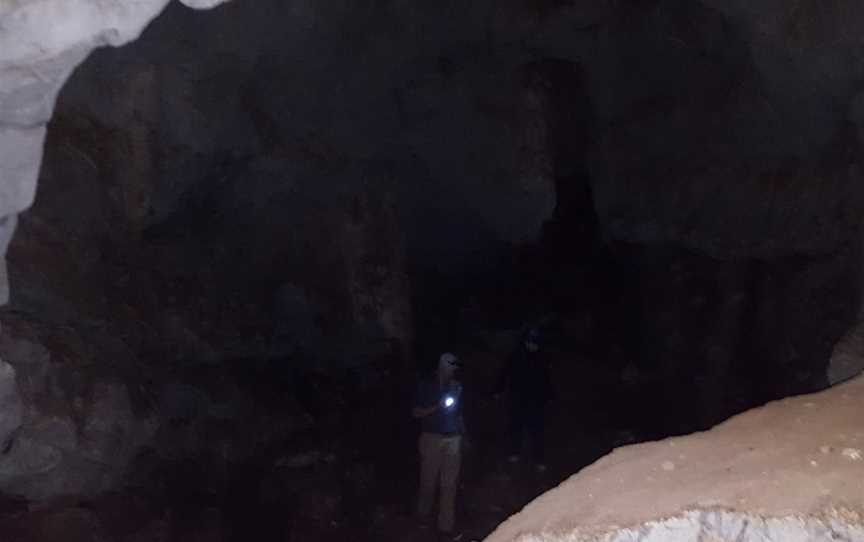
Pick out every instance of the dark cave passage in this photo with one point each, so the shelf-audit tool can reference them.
(277, 233)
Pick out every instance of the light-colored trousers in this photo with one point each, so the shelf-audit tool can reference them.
(440, 460)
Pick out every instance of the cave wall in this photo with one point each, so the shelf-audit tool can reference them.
(42, 43)
(337, 148)
(743, 155)
(709, 127)
(216, 171)
(67, 428)
(714, 127)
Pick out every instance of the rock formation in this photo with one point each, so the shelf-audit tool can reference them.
(791, 470)
(42, 43)
(65, 430)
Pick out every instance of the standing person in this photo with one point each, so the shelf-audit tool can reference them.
(439, 408)
(526, 376)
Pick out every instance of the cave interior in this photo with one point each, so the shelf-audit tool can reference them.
(257, 226)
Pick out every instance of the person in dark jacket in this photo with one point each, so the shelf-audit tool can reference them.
(526, 377)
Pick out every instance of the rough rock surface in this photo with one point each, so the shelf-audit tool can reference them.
(666, 123)
(847, 359)
(792, 470)
(79, 409)
(776, 111)
(62, 430)
(11, 406)
(41, 43)
(65, 428)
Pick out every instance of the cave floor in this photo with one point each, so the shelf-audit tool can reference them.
(357, 480)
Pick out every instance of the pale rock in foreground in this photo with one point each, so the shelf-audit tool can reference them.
(788, 472)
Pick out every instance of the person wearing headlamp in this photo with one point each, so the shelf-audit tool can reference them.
(438, 406)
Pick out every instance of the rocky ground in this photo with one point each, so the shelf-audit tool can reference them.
(347, 473)
(350, 475)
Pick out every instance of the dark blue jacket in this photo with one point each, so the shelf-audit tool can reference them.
(445, 421)
(526, 376)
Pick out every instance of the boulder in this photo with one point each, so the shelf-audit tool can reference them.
(792, 470)
(64, 430)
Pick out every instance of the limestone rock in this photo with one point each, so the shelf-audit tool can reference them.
(41, 44)
(11, 406)
(73, 434)
(721, 525)
(784, 472)
(72, 525)
(847, 359)
(7, 229)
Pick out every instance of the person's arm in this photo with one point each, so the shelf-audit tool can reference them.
(422, 407)
(421, 412)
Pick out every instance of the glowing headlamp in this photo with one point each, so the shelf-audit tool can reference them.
(449, 401)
